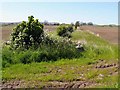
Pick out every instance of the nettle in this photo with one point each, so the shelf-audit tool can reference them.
(27, 34)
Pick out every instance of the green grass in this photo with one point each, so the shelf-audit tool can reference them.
(83, 35)
(68, 70)
(96, 47)
(64, 70)
(90, 38)
(25, 71)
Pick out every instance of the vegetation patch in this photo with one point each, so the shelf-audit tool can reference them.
(65, 31)
(36, 58)
(30, 44)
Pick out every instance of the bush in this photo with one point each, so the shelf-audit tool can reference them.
(31, 44)
(24, 57)
(90, 23)
(70, 28)
(77, 24)
(6, 57)
(45, 52)
(27, 34)
(65, 31)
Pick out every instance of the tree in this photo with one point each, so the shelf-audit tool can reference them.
(83, 23)
(77, 24)
(27, 34)
(90, 23)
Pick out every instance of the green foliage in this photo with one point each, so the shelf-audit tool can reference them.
(47, 51)
(95, 47)
(24, 57)
(70, 28)
(65, 31)
(27, 34)
(31, 44)
(68, 67)
(6, 57)
(83, 23)
(90, 23)
(77, 24)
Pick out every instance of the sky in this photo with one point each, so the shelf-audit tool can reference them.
(62, 12)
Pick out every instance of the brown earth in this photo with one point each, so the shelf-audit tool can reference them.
(7, 30)
(106, 32)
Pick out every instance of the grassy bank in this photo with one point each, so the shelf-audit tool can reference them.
(95, 47)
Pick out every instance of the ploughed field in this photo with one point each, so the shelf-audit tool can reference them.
(106, 32)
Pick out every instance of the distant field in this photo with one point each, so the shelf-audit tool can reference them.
(106, 32)
(6, 31)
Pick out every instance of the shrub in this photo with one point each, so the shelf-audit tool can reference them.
(35, 56)
(24, 57)
(90, 23)
(31, 44)
(77, 24)
(45, 52)
(70, 28)
(6, 57)
(65, 31)
(27, 34)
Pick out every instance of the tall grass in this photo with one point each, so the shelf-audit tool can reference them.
(95, 47)
(101, 52)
